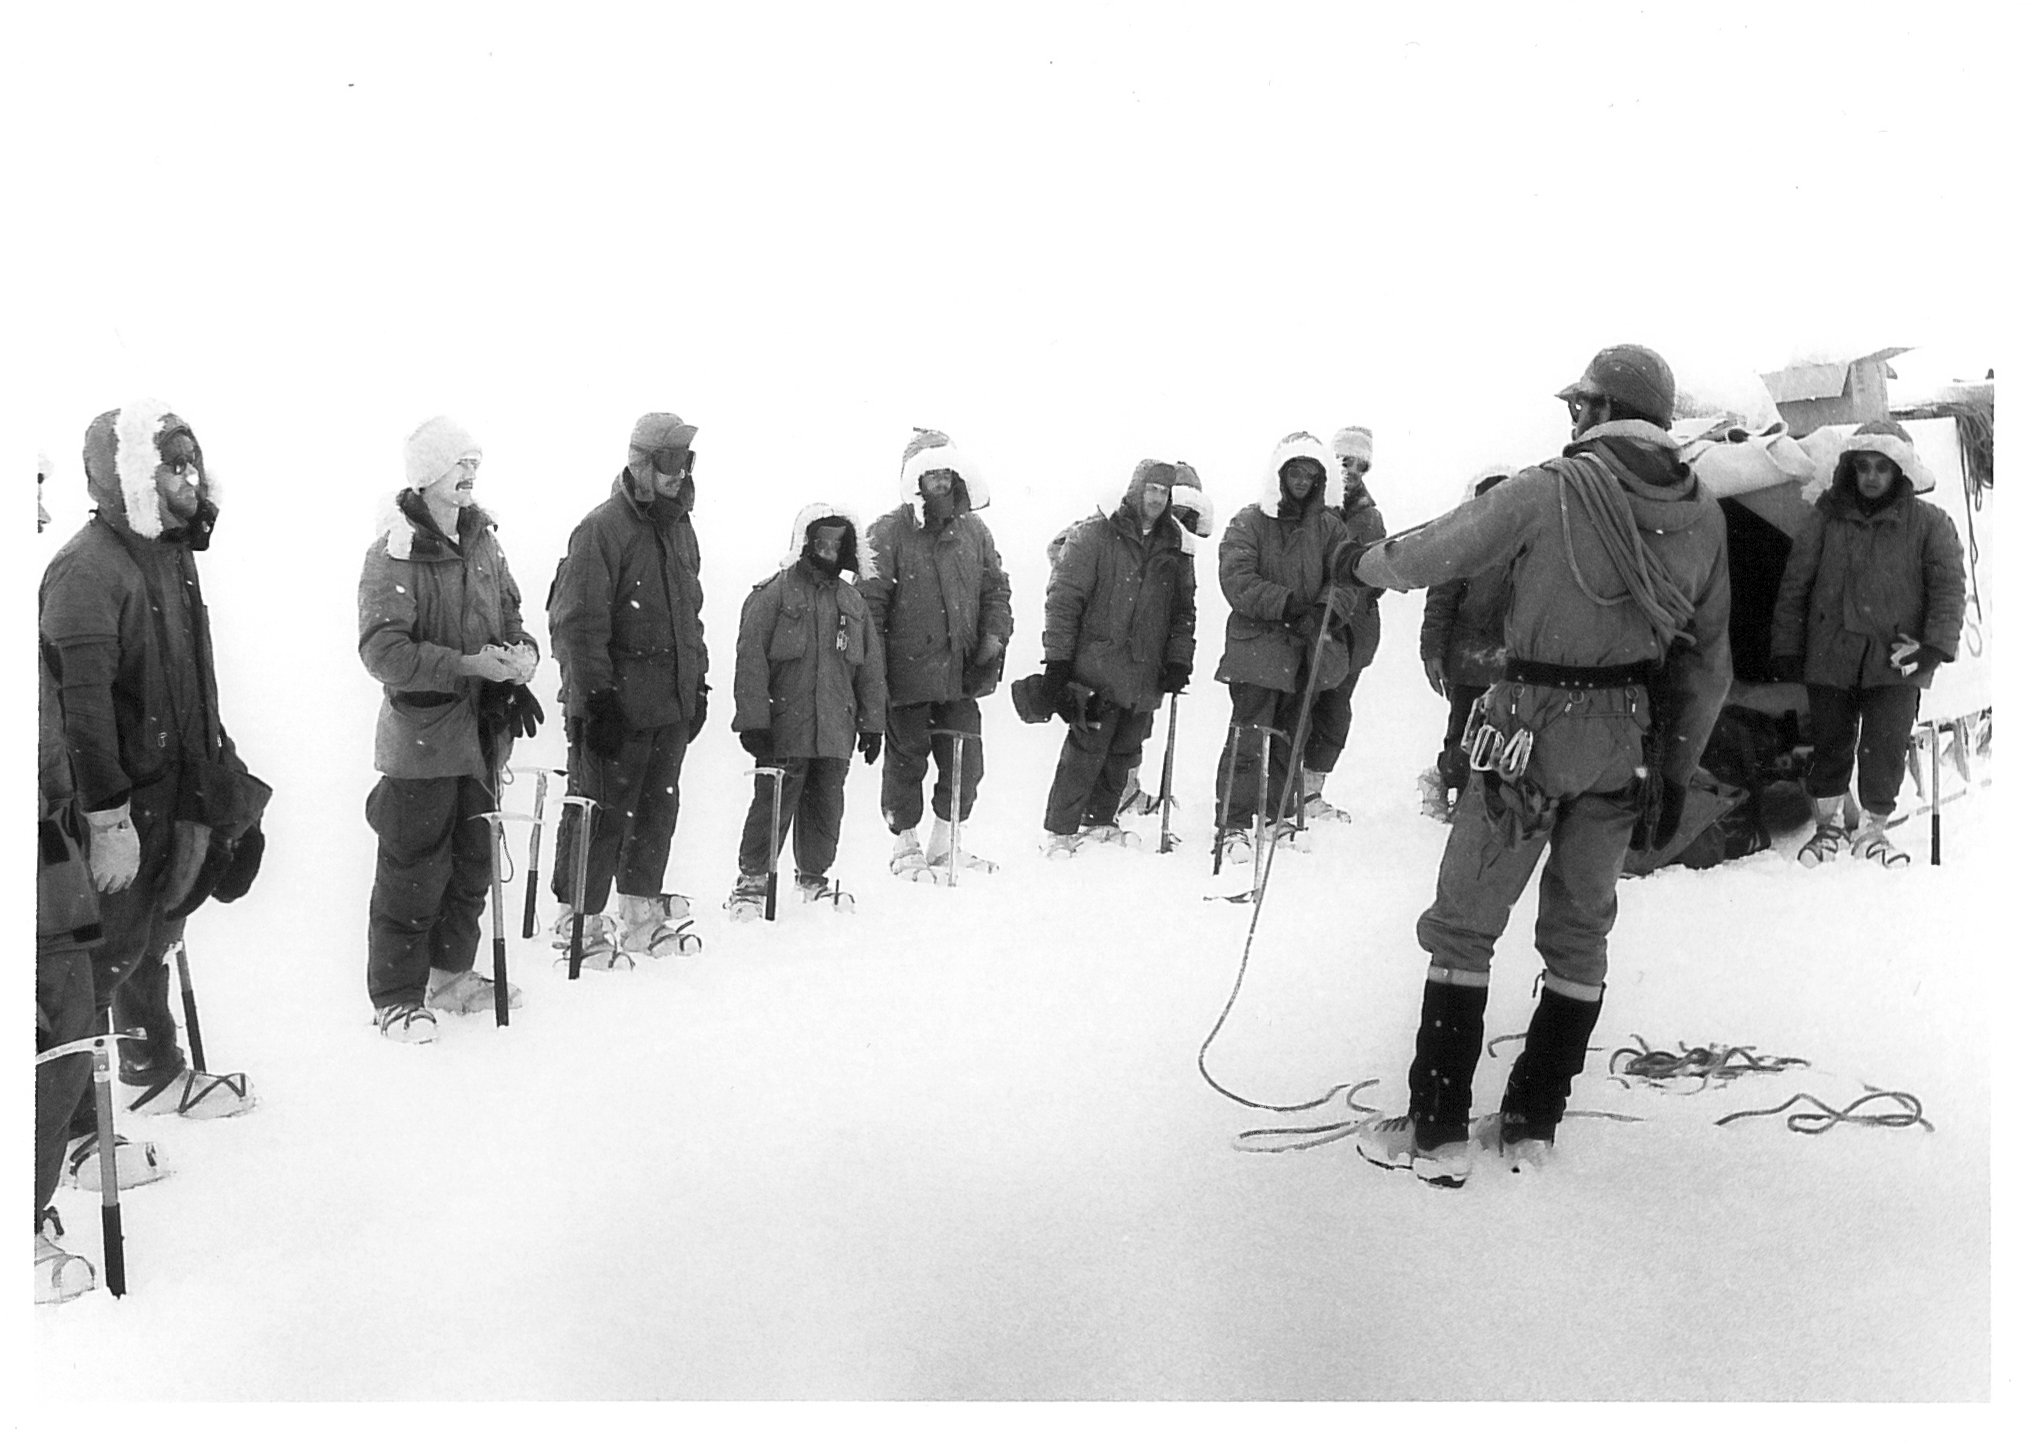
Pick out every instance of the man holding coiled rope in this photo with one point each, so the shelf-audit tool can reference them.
(1618, 659)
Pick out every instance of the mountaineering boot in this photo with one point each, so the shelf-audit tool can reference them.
(1432, 1138)
(1107, 834)
(1537, 1091)
(745, 903)
(813, 887)
(465, 992)
(596, 940)
(1141, 803)
(407, 1023)
(941, 842)
(1316, 807)
(188, 1094)
(1060, 845)
(647, 928)
(1873, 844)
(1828, 839)
(1237, 850)
(134, 1163)
(60, 1276)
(1291, 836)
(906, 860)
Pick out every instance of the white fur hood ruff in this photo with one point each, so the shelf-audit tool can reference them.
(938, 453)
(1295, 444)
(400, 531)
(807, 515)
(122, 452)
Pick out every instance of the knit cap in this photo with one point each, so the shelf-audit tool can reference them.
(434, 448)
(1355, 442)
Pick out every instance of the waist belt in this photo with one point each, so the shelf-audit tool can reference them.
(1579, 679)
(427, 699)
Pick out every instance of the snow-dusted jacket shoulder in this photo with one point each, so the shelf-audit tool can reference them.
(808, 664)
(1855, 581)
(424, 604)
(138, 687)
(1120, 606)
(625, 611)
(1568, 605)
(934, 595)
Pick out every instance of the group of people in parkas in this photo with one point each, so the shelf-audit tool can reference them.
(1576, 621)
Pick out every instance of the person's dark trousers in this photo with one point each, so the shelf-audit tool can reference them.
(909, 746)
(129, 975)
(1328, 728)
(1251, 706)
(1870, 724)
(64, 1013)
(1452, 764)
(635, 813)
(434, 861)
(1094, 761)
(813, 791)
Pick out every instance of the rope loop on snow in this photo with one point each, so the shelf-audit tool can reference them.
(1906, 1112)
(1717, 1063)
(1293, 1139)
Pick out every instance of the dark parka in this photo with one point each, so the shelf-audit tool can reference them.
(625, 611)
(1590, 741)
(66, 908)
(1365, 523)
(1856, 579)
(935, 593)
(424, 604)
(1274, 552)
(139, 694)
(808, 659)
(1463, 622)
(1120, 606)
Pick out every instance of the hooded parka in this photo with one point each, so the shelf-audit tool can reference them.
(1860, 577)
(424, 604)
(625, 611)
(1120, 604)
(1273, 552)
(936, 587)
(808, 659)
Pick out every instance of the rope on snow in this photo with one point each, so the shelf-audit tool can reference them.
(1907, 1112)
(1718, 1062)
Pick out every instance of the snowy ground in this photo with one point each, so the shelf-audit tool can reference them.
(955, 1146)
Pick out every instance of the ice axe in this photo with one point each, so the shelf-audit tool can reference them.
(961, 740)
(776, 776)
(100, 1047)
(583, 839)
(190, 1006)
(536, 840)
(1166, 838)
(495, 820)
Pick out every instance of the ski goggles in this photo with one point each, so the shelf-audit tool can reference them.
(672, 461)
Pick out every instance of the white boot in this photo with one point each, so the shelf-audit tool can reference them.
(1319, 808)
(60, 1276)
(906, 857)
(941, 843)
(1873, 843)
(646, 928)
(1828, 839)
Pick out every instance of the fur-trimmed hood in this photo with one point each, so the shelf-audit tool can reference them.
(1297, 444)
(936, 451)
(122, 450)
(1891, 440)
(851, 544)
(403, 521)
(1485, 477)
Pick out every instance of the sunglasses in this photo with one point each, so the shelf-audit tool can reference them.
(1583, 401)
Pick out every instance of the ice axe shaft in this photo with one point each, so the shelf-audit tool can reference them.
(959, 753)
(1229, 780)
(536, 839)
(583, 838)
(776, 776)
(190, 1007)
(497, 850)
(101, 1049)
(1166, 775)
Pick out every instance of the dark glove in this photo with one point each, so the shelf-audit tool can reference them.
(1787, 669)
(605, 730)
(1294, 610)
(699, 714)
(1927, 656)
(871, 744)
(1308, 624)
(238, 874)
(1173, 677)
(1343, 559)
(1651, 839)
(511, 707)
(756, 742)
(979, 679)
(1058, 675)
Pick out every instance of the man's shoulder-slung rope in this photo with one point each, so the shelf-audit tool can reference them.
(1648, 583)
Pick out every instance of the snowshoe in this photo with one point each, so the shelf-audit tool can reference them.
(134, 1163)
(596, 945)
(407, 1023)
(191, 1094)
(819, 890)
(1388, 1143)
(465, 992)
(60, 1275)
